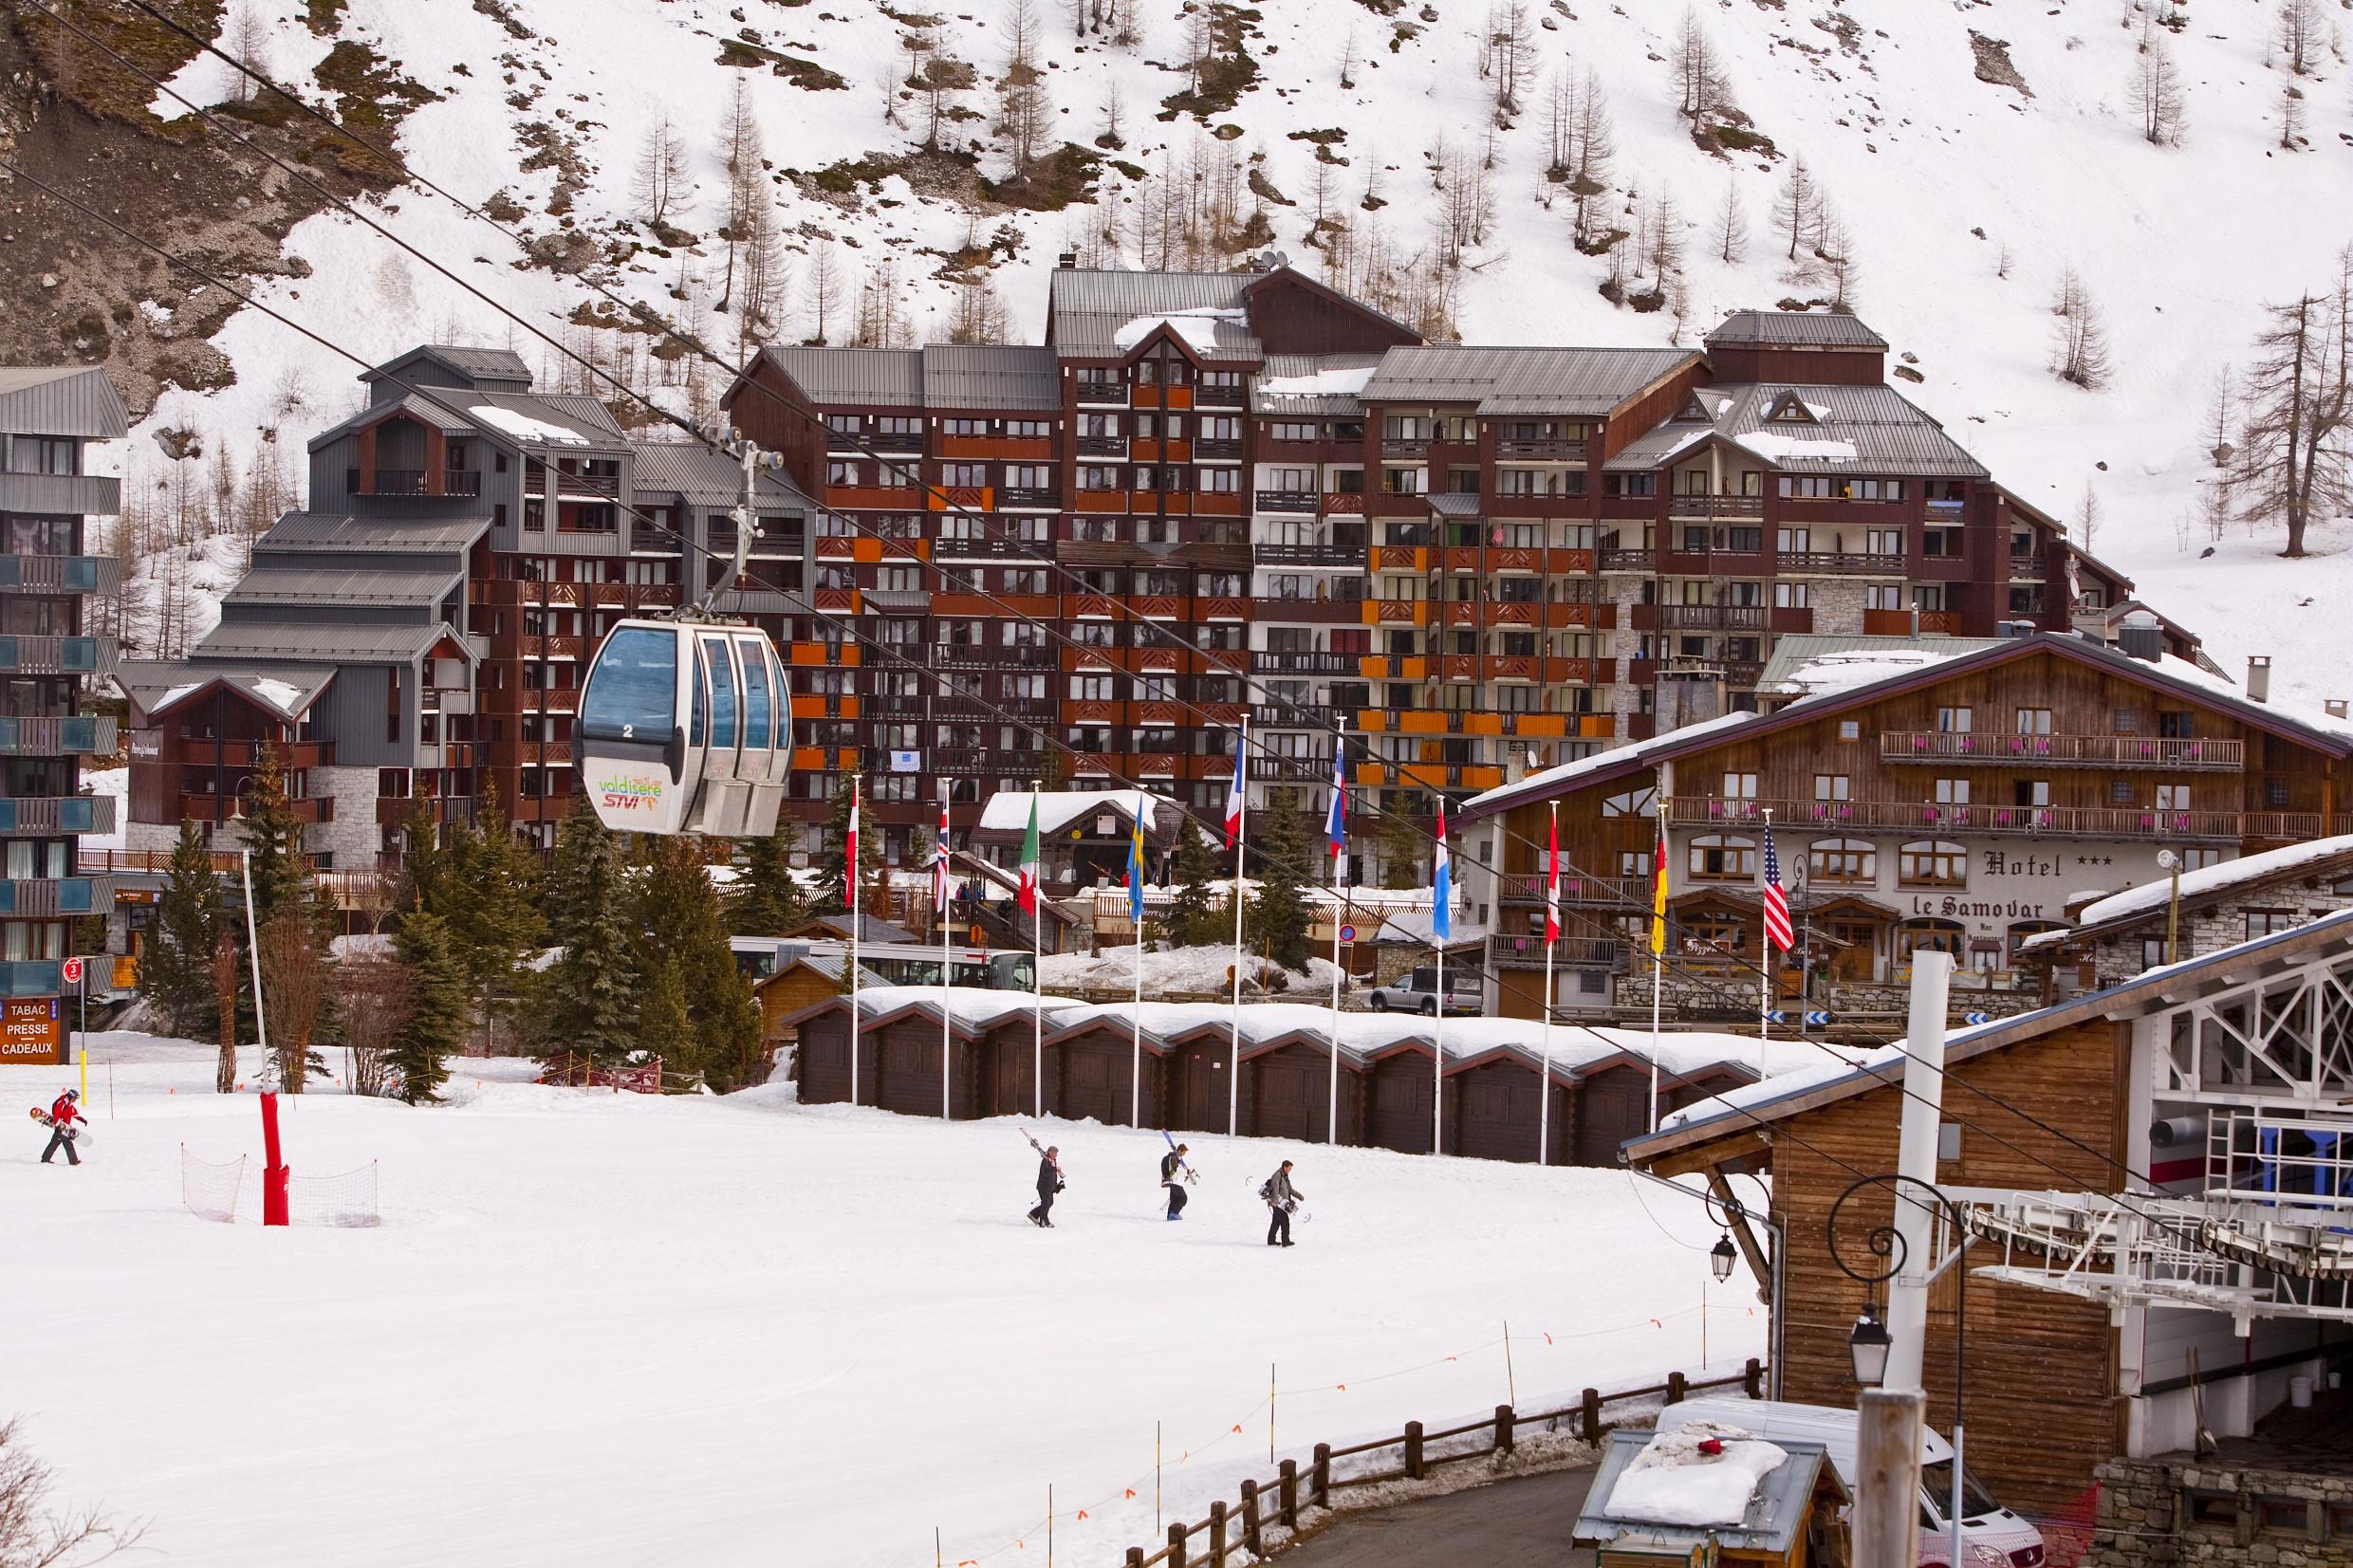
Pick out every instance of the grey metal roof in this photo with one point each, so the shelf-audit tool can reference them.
(886, 378)
(404, 587)
(438, 409)
(75, 400)
(1794, 651)
(591, 418)
(1018, 376)
(1085, 310)
(483, 364)
(156, 684)
(1576, 381)
(1338, 375)
(322, 533)
(308, 642)
(1448, 504)
(450, 410)
(1854, 430)
(688, 469)
(1794, 329)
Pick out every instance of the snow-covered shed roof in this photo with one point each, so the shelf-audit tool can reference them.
(2291, 862)
(1753, 1105)
(479, 364)
(1008, 810)
(1851, 430)
(554, 419)
(1655, 1489)
(75, 400)
(1813, 663)
(1586, 382)
(1793, 329)
(1086, 311)
(156, 686)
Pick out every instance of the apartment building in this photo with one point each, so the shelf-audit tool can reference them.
(49, 568)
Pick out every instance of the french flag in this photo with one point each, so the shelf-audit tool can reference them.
(1241, 784)
(1335, 818)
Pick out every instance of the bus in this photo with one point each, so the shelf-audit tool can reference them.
(896, 963)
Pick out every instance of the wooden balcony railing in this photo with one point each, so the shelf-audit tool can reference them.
(1913, 745)
(2051, 822)
(73, 734)
(61, 573)
(57, 814)
(1541, 451)
(1616, 560)
(1715, 505)
(1840, 563)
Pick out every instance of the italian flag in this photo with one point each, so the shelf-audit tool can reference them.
(1031, 863)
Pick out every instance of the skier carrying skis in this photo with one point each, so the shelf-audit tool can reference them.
(1049, 1183)
(1281, 1199)
(1172, 1176)
(63, 1115)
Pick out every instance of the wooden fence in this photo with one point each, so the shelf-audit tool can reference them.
(1278, 1503)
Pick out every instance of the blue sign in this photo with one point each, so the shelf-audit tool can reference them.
(1776, 1016)
(1816, 1018)
(1348, 933)
(1974, 1019)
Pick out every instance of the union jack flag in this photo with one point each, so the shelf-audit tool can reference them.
(1777, 933)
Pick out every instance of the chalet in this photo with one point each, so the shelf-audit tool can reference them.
(2156, 1173)
(1083, 835)
(1961, 802)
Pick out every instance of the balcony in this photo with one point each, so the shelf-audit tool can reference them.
(146, 862)
(1541, 451)
(981, 760)
(426, 481)
(1102, 446)
(1632, 892)
(1209, 397)
(230, 808)
(2198, 756)
(1702, 617)
(1840, 563)
(40, 655)
(293, 755)
(2053, 822)
(73, 494)
(1214, 449)
(1405, 448)
(1302, 611)
(29, 814)
(1616, 560)
(1747, 506)
(1904, 623)
(1301, 715)
(1527, 951)
(1102, 389)
(982, 549)
(61, 573)
(1787, 619)
(1946, 512)
(83, 734)
(1310, 554)
(33, 977)
(57, 896)
(962, 657)
(1303, 664)
(1033, 497)
(1300, 501)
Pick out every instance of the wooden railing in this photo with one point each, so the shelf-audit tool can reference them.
(1279, 1502)
(1899, 746)
(2059, 821)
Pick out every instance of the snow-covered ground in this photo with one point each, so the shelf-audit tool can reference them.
(599, 1329)
(1186, 970)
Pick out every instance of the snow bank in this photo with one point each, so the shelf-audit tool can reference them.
(1177, 969)
(1672, 1481)
(117, 782)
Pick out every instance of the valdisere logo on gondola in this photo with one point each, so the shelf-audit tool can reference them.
(631, 791)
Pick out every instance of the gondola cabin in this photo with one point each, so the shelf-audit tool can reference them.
(685, 728)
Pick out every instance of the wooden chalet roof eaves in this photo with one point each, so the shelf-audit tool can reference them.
(2143, 994)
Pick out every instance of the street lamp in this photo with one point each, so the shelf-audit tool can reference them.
(1868, 1346)
(1727, 1212)
(1721, 1257)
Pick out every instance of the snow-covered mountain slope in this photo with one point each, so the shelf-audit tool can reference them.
(1963, 197)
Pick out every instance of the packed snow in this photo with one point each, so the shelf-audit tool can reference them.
(117, 782)
(1673, 1482)
(599, 1329)
(1841, 672)
(1320, 383)
(284, 695)
(1199, 328)
(1774, 447)
(1177, 969)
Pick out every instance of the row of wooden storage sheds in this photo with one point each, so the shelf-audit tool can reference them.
(1494, 1074)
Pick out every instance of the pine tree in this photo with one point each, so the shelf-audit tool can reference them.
(685, 941)
(831, 892)
(274, 835)
(769, 900)
(176, 971)
(423, 862)
(490, 905)
(663, 1027)
(1192, 916)
(434, 1027)
(1276, 921)
(586, 998)
(1401, 852)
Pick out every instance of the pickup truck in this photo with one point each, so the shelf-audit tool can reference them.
(1418, 993)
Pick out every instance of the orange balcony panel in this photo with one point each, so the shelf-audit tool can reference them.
(1371, 775)
(839, 601)
(1579, 561)
(809, 708)
(1372, 667)
(1179, 450)
(1401, 558)
(1421, 721)
(1180, 397)
(941, 498)
(1098, 501)
(1542, 725)
(1596, 727)
(1480, 777)
(1345, 503)
(889, 497)
(1373, 721)
(1482, 724)
(1216, 504)
(1143, 396)
(1144, 448)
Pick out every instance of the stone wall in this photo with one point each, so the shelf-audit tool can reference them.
(1732, 996)
(2185, 1512)
(1837, 603)
(2118, 958)
(354, 838)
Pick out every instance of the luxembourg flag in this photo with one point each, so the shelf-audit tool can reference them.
(1335, 818)
(1240, 786)
(1442, 902)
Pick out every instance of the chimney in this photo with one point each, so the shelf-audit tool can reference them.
(2337, 708)
(1067, 261)
(2140, 637)
(2258, 678)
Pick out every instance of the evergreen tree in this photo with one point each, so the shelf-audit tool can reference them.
(274, 835)
(434, 1027)
(684, 944)
(1401, 851)
(176, 971)
(422, 858)
(832, 892)
(1192, 916)
(587, 997)
(771, 900)
(491, 904)
(664, 1026)
(1276, 921)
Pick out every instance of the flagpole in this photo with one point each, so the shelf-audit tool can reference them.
(1544, 1082)
(1340, 919)
(1658, 953)
(947, 964)
(1241, 837)
(1437, 1058)
(1136, 919)
(1765, 974)
(1037, 965)
(849, 891)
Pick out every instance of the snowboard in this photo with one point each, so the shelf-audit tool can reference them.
(1299, 1208)
(73, 1132)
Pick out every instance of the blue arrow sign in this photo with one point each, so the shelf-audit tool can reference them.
(1776, 1016)
(1816, 1019)
(1974, 1019)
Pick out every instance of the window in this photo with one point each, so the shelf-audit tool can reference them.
(1217, 481)
(2173, 796)
(905, 579)
(964, 475)
(1846, 861)
(1740, 786)
(1932, 864)
(1953, 721)
(44, 455)
(841, 473)
(964, 427)
(1633, 484)
(2119, 792)
(2125, 721)
(1403, 481)
(1830, 786)
(2152, 952)
(1883, 595)
(1928, 936)
(1850, 729)
(2029, 792)
(1094, 688)
(1952, 792)
(1097, 476)
(2265, 922)
(1029, 429)
(1290, 430)
(1789, 595)
(2033, 721)
(899, 424)
(1883, 541)
(2199, 859)
(1791, 541)
(2177, 724)
(1634, 803)
(1721, 858)
(1805, 487)
(1030, 476)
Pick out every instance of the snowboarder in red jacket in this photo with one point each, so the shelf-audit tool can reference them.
(63, 1112)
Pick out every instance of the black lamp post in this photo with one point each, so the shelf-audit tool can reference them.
(1722, 1258)
(1868, 1346)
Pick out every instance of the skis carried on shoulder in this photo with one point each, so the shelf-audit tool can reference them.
(1192, 1177)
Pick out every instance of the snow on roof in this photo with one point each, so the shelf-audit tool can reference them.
(1776, 448)
(1008, 810)
(1418, 924)
(976, 1005)
(1672, 1481)
(2225, 688)
(523, 426)
(1842, 672)
(1551, 779)
(282, 695)
(1321, 383)
(2213, 878)
(1198, 327)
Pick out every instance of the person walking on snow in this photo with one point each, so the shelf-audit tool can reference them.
(1172, 1177)
(1281, 1197)
(63, 1115)
(1049, 1183)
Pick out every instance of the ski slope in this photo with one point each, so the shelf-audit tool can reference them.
(605, 1330)
(1965, 197)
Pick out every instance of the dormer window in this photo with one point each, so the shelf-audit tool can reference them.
(1792, 410)
(1693, 410)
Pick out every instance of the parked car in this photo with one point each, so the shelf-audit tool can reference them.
(1418, 993)
(1990, 1533)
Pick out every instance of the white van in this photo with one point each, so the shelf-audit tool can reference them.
(1991, 1534)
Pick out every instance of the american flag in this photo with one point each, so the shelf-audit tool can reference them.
(1777, 933)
